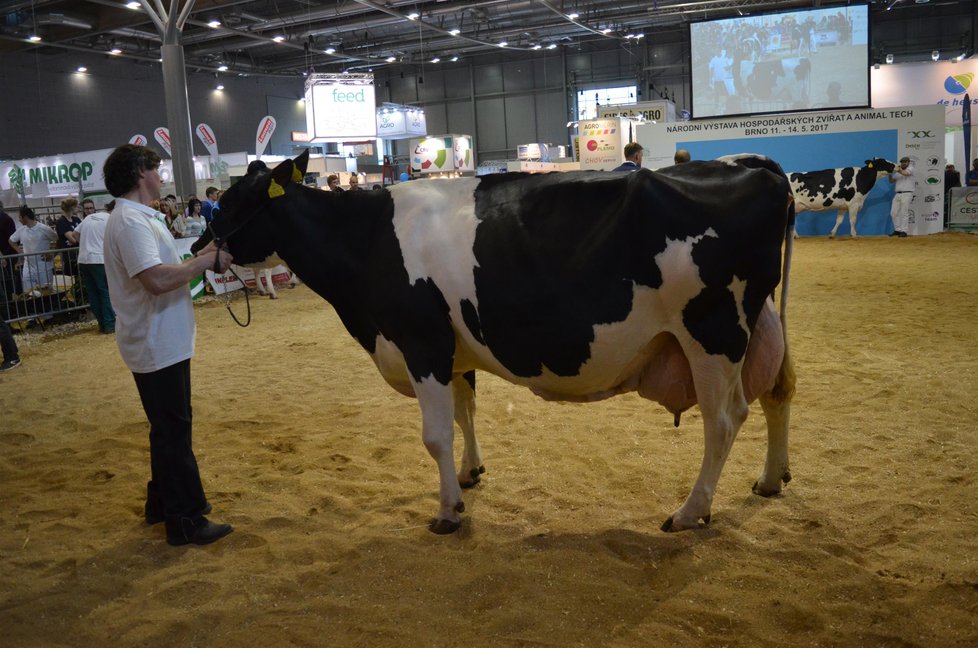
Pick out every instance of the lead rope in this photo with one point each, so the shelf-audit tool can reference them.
(218, 243)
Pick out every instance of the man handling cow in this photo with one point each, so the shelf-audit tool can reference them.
(155, 332)
(902, 176)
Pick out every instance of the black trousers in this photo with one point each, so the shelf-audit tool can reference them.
(175, 482)
(7, 344)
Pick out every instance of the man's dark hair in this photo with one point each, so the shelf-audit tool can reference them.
(255, 166)
(27, 212)
(122, 168)
(109, 206)
(631, 149)
(88, 201)
(209, 191)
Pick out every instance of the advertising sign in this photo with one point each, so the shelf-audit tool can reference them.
(162, 135)
(57, 175)
(265, 129)
(963, 213)
(341, 107)
(657, 111)
(432, 155)
(138, 140)
(206, 135)
(390, 124)
(601, 143)
(807, 142)
(918, 84)
(464, 155)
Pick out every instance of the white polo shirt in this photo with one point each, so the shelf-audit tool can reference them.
(905, 183)
(92, 233)
(152, 331)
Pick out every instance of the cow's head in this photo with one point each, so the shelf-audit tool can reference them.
(243, 220)
(880, 165)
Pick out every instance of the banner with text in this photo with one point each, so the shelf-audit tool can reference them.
(828, 140)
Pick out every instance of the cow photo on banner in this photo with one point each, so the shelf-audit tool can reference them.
(838, 157)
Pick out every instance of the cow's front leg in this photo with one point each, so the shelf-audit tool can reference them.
(463, 388)
(840, 214)
(724, 408)
(853, 212)
(437, 432)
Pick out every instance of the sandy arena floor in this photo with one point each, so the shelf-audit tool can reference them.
(320, 467)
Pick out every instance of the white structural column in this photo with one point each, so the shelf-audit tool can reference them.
(170, 26)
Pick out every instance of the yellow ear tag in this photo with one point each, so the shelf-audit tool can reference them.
(870, 165)
(275, 190)
(296, 174)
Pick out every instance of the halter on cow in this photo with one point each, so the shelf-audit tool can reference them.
(579, 286)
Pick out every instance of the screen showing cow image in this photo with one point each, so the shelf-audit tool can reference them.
(815, 59)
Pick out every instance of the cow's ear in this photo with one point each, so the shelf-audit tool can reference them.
(281, 177)
(302, 163)
(869, 164)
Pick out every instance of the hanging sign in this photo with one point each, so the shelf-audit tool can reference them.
(162, 135)
(265, 129)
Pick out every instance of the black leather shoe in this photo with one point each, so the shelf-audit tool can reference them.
(154, 511)
(198, 531)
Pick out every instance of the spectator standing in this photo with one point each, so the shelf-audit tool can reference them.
(902, 176)
(681, 156)
(11, 280)
(210, 202)
(33, 237)
(355, 183)
(91, 267)
(11, 356)
(333, 183)
(67, 238)
(633, 158)
(155, 332)
(192, 225)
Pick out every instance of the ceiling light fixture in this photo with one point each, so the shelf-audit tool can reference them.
(436, 60)
(414, 15)
(134, 5)
(606, 30)
(278, 39)
(537, 46)
(390, 59)
(502, 44)
(82, 69)
(455, 58)
(34, 38)
(214, 24)
(454, 32)
(573, 15)
(552, 46)
(222, 68)
(219, 87)
(115, 51)
(330, 50)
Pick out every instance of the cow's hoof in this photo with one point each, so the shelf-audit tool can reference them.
(443, 527)
(831, 236)
(273, 296)
(668, 526)
(474, 477)
(771, 492)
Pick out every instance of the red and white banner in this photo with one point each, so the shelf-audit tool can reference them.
(265, 129)
(138, 139)
(227, 282)
(162, 135)
(206, 135)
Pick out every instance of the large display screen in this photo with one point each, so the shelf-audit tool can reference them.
(813, 59)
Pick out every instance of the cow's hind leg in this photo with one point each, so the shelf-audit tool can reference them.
(437, 431)
(463, 388)
(720, 393)
(776, 404)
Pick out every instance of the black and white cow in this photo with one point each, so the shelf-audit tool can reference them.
(840, 189)
(579, 286)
